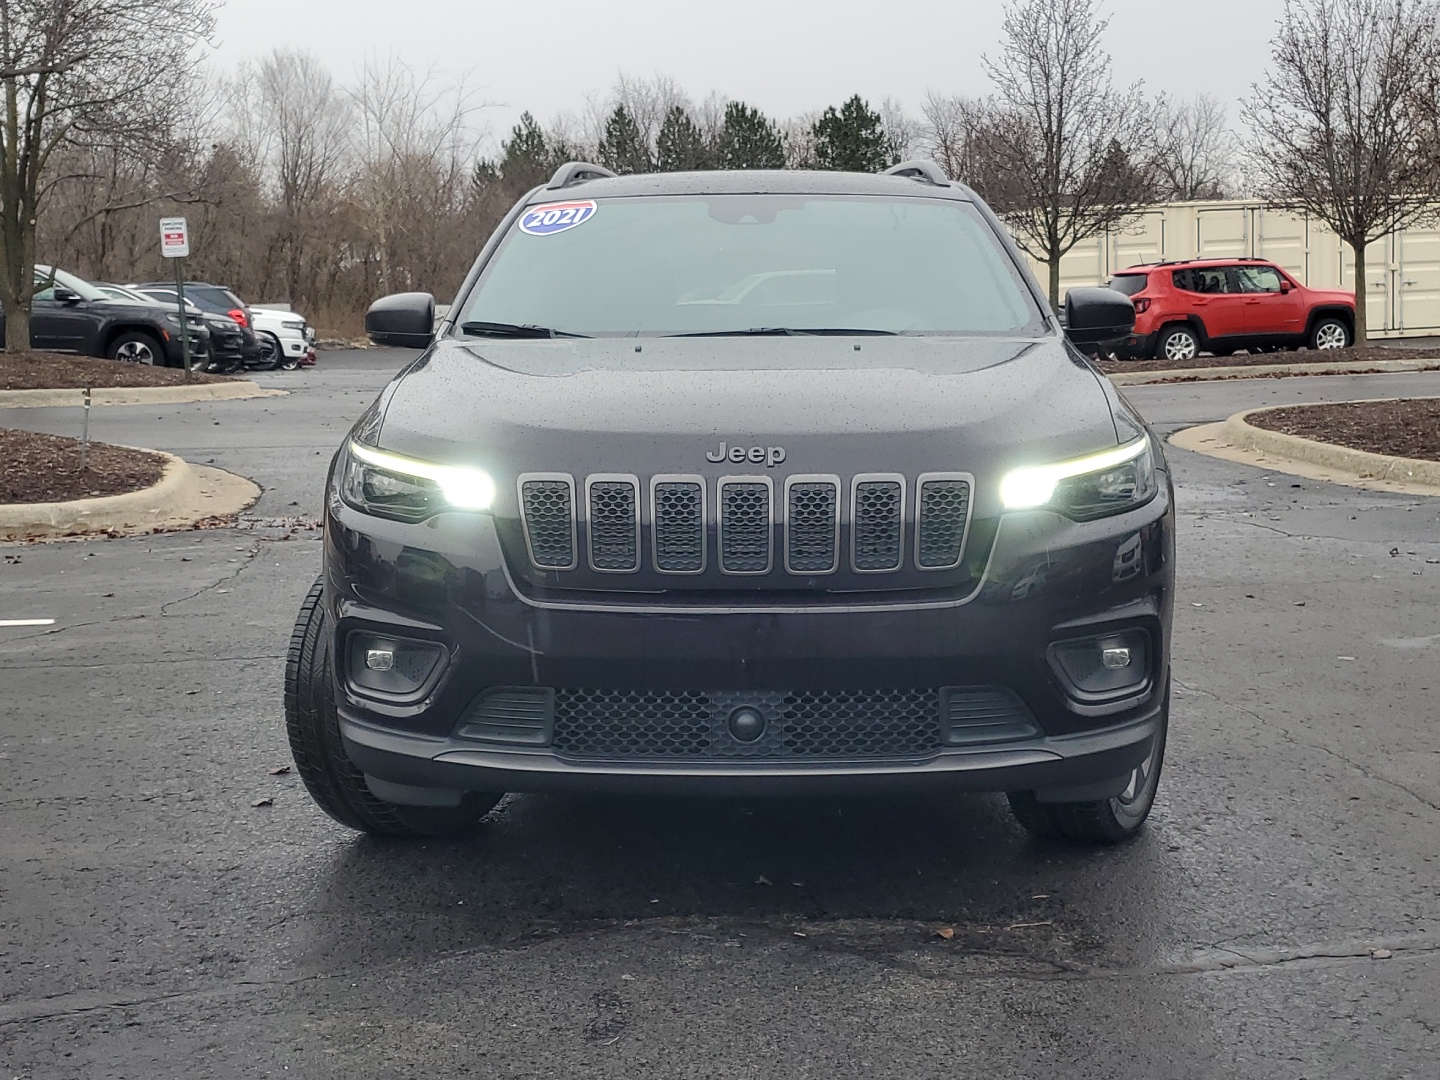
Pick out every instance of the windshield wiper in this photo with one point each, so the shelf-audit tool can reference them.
(791, 331)
(516, 330)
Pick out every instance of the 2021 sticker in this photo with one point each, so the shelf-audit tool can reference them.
(556, 217)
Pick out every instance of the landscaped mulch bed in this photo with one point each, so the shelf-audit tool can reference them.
(58, 371)
(1364, 355)
(46, 468)
(1405, 428)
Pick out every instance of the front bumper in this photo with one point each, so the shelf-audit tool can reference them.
(1048, 579)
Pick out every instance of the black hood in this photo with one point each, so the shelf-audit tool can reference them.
(902, 404)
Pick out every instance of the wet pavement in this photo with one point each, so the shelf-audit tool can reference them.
(1280, 918)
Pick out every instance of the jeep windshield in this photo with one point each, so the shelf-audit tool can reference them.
(716, 265)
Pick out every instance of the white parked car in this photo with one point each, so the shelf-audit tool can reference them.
(284, 334)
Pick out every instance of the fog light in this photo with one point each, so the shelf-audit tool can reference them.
(392, 667)
(1104, 666)
(1115, 659)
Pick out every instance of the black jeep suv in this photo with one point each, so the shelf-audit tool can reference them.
(742, 482)
(68, 314)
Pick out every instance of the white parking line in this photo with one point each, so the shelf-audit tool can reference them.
(27, 622)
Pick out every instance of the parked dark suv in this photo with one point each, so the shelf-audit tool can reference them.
(70, 315)
(742, 482)
(219, 300)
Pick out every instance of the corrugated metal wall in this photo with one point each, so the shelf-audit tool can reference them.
(1403, 270)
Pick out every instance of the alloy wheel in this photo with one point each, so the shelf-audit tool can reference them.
(1330, 336)
(1181, 346)
(135, 352)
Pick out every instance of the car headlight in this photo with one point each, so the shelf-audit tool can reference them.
(1092, 486)
(406, 489)
(173, 320)
(293, 324)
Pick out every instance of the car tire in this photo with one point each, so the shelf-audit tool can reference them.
(1177, 343)
(277, 351)
(313, 727)
(137, 347)
(1103, 821)
(1329, 333)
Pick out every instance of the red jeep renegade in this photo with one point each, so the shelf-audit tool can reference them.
(1221, 305)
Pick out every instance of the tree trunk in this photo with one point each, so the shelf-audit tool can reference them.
(1362, 292)
(17, 328)
(1054, 265)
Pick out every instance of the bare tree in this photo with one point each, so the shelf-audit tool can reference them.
(1194, 148)
(950, 132)
(1337, 133)
(1059, 147)
(902, 132)
(103, 72)
(305, 131)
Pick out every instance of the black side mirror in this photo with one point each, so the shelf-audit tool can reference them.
(1096, 315)
(404, 320)
(66, 296)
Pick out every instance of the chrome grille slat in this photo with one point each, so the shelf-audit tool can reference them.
(547, 511)
(942, 513)
(613, 523)
(746, 532)
(678, 524)
(812, 524)
(877, 523)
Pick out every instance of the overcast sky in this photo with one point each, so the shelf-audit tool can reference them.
(785, 58)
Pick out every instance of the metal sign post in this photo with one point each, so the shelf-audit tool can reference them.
(175, 244)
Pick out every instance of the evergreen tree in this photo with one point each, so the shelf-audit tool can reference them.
(851, 139)
(527, 158)
(748, 140)
(680, 147)
(622, 148)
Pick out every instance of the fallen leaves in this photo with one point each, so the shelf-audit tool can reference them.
(266, 801)
(280, 770)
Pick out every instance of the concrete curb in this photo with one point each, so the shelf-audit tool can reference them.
(1238, 431)
(136, 395)
(1260, 371)
(182, 496)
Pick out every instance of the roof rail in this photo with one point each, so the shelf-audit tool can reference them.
(925, 171)
(576, 172)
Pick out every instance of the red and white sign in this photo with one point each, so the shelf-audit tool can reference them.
(174, 238)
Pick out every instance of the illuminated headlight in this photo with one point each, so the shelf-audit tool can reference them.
(406, 489)
(1093, 486)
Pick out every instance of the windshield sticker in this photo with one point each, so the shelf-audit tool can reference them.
(556, 217)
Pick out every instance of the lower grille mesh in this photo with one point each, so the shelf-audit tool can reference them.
(812, 725)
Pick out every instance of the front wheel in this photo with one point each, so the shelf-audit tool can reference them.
(333, 781)
(1329, 333)
(1103, 821)
(135, 347)
(1177, 343)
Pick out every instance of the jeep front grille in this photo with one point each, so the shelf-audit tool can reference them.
(613, 527)
(547, 504)
(678, 506)
(806, 515)
(812, 525)
(746, 530)
(943, 512)
(877, 524)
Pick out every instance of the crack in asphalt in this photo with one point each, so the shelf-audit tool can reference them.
(245, 564)
(1208, 961)
(1291, 737)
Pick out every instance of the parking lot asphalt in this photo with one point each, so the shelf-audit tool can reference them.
(1280, 918)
